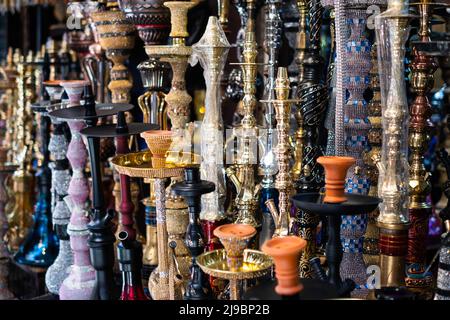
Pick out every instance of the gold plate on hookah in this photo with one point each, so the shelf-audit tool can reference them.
(256, 264)
(139, 164)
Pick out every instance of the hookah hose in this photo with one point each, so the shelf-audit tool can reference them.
(340, 90)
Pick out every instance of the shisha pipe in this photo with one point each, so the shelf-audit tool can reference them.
(393, 166)
(313, 96)
(268, 166)
(283, 181)
(211, 52)
(101, 239)
(132, 288)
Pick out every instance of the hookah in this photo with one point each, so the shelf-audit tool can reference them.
(176, 108)
(60, 176)
(101, 238)
(118, 48)
(352, 125)
(283, 181)
(242, 172)
(40, 247)
(312, 94)
(211, 52)
(19, 218)
(392, 164)
(268, 166)
(80, 282)
(334, 204)
(192, 188)
(422, 68)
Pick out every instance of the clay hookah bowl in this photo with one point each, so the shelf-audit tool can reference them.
(285, 252)
(158, 142)
(335, 173)
(235, 239)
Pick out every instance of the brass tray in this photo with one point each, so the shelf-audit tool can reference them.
(139, 164)
(214, 263)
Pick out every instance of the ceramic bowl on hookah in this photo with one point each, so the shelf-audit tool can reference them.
(285, 252)
(235, 239)
(158, 142)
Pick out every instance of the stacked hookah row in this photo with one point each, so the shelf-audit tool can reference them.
(322, 179)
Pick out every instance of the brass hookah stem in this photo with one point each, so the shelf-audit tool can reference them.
(243, 173)
(300, 55)
(423, 68)
(283, 180)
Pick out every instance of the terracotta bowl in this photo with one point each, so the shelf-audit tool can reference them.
(335, 174)
(285, 252)
(234, 238)
(158, 141)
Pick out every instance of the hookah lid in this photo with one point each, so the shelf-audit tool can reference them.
(193, 185)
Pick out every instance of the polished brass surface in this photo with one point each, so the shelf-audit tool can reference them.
(393, 274)
(242, 172)
(283, 182)
(139, 164)
(256, 264)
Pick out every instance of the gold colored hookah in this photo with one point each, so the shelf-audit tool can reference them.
(242, 172)
(178, 110)
(20, 218)
(299, 60)
(283, 182)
